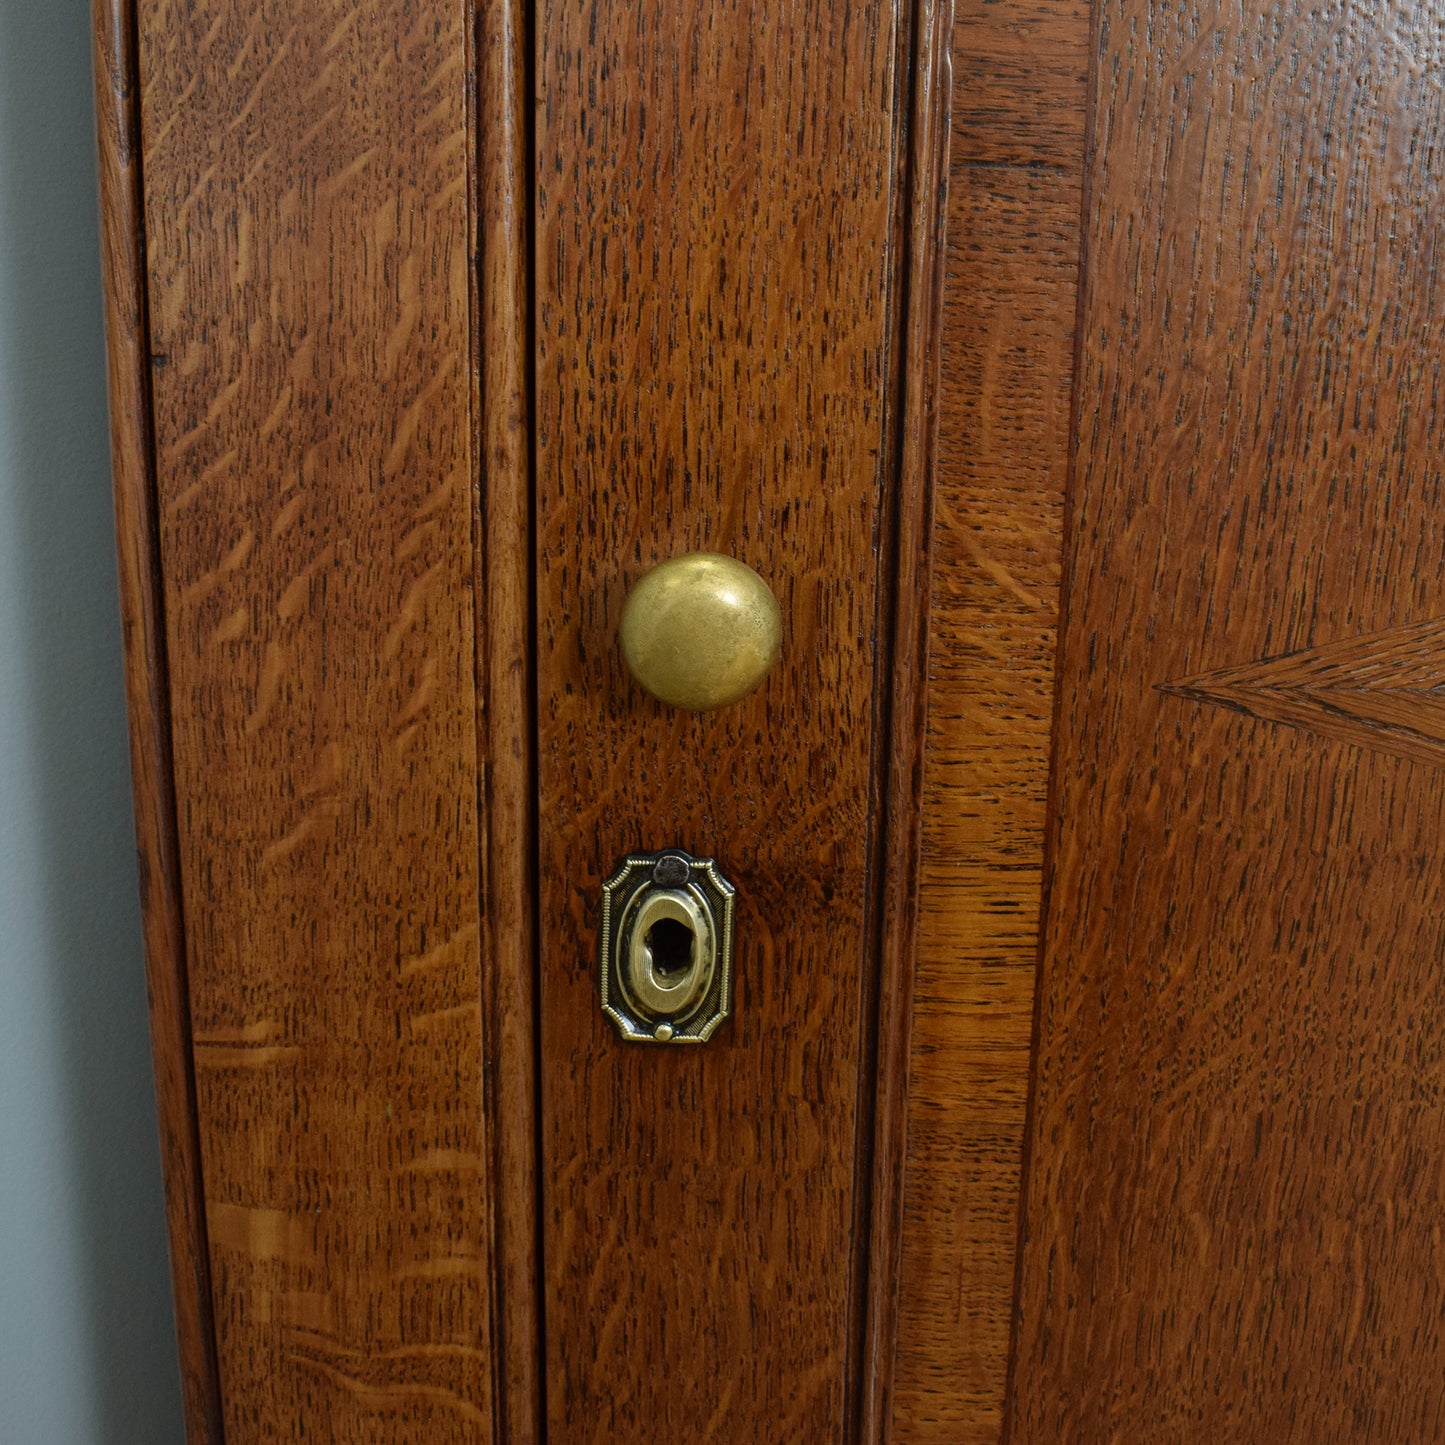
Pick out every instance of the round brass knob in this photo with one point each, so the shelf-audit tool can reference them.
(701, 631)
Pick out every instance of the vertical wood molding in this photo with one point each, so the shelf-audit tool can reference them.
(1004, 413)
(507, 718)
(991, 710)
(919, 317)
(128, 375)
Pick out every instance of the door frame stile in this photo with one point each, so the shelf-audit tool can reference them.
(901, 754)
(506, 695)
(124, 270)
(1051, 802)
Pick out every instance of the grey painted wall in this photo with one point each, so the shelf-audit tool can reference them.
(87, 1344)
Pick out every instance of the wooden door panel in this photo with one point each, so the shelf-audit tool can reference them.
(1234, 1187)
(719, 215)
(311, 372)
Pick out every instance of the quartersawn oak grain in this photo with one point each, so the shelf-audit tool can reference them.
(1234, 1190)
(718, 273)
(905, 606)
(309, 247)
(282, 400)
(1009, 302)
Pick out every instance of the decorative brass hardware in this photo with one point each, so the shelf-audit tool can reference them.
(667, 948)
(701, 631)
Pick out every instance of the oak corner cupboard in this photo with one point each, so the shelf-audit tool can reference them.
(787, 691)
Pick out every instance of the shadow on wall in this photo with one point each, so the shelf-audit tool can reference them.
(87, 1341)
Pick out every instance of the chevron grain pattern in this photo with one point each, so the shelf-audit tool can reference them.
(1385, 691)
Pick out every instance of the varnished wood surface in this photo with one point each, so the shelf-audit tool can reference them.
(903, 742)
(507, 721)
(1007, 346)
(1384, 690)
(718, 205)
(309, 239)
(1234, 1194)
(142, 606)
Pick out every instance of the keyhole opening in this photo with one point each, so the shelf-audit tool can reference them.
(669, 940)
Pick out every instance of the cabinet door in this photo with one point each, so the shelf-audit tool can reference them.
(435, 326)
(724, 228)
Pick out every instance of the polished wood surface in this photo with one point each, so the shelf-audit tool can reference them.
(142, 608)
(720, 209)
(309, 236)
(1234, 1190)
(507, 721)
(412, 378)
(1007, 343)
(901, 753)
(329, 421)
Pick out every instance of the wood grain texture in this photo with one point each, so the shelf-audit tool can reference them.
(1235, 1186)
(718, 206)
(310, 243)
(1008, 318)
(1020, 76)
(162, 911)
(508, 723)
(904, 740)
(1386, 690)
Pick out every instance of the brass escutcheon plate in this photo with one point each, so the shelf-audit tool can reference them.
(666, 946)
